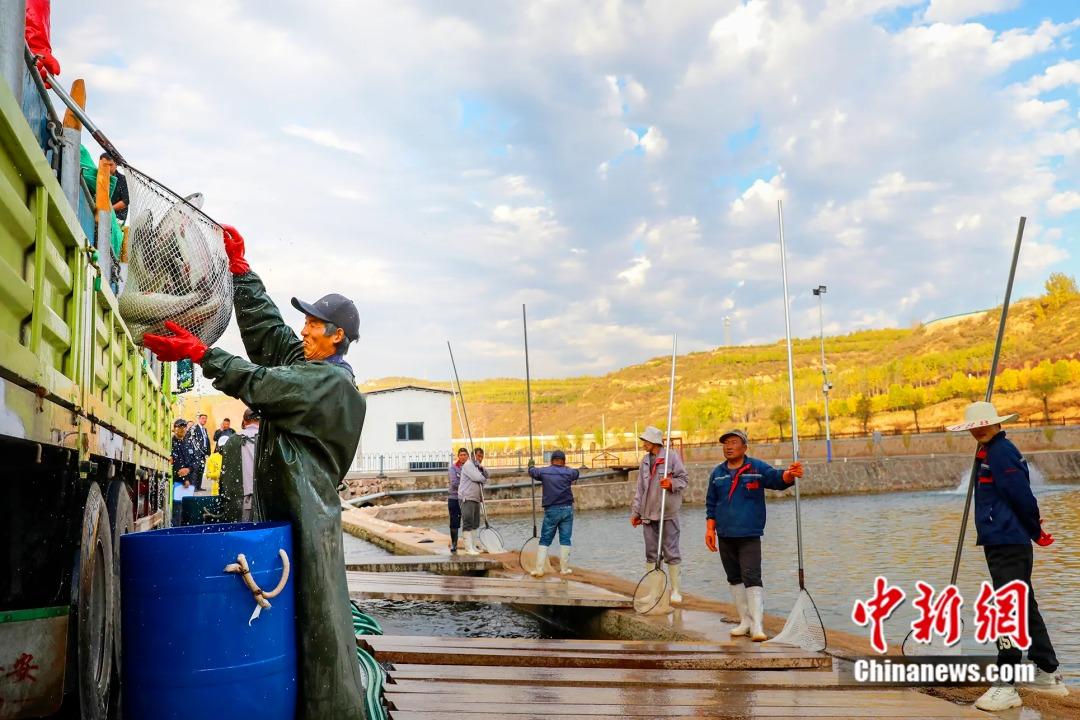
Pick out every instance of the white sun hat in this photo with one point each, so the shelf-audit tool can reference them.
(981, 414)
(653, 435)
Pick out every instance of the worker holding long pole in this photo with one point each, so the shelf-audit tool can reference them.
(312, 416)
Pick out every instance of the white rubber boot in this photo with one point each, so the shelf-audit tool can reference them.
(541, 562)
(673, 573)
(738, 596)
(564, 560)
(470, 546)
(1048, 683)
(999, 697)
(755, 601)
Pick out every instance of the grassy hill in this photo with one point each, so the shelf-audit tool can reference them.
(882, 379)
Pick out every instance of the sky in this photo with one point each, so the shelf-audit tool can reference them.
(615, 166)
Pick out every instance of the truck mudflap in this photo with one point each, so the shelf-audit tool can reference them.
(33, 648)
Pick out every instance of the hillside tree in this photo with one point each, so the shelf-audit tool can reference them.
(863, 411)
(779, 415)
(1045, 379)
(813, 413)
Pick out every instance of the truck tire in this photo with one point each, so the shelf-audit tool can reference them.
(95, 608)
(121, 511)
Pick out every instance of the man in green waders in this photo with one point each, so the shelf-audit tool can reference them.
(312, 414)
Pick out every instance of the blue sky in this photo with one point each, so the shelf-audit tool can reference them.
(615, 165)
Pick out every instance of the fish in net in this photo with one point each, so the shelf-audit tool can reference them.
(177, 268)
(803, 628)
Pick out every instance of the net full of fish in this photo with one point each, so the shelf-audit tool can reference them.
(177, 268)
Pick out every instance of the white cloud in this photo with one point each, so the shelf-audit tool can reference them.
(635, 274)
(324, 138)
(951, 11)
(759, 198)
(654, 142)
(1063, 202)
(1066, 72)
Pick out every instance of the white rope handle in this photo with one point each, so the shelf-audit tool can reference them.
(262, 598)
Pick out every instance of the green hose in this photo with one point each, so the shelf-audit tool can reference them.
(373, 674)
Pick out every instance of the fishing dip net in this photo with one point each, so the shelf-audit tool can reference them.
(803, 627)
(177, 266)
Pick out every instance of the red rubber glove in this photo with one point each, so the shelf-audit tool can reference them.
(48, 64)
(795, 470)
(665, 482)
(710, 535)
(1045, 538)
(234, 248)
(181, 344)
(38, 22)
(635, 520)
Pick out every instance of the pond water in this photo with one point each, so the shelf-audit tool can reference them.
(446, 619)
(848, 540)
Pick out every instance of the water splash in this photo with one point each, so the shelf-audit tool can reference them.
(1038, 480)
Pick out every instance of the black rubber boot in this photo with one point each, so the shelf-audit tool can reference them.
(453, 540)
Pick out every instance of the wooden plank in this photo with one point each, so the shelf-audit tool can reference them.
(540, 658)
(616, 677)
(623, 713)
(593, 646)
(442, 704)
(430, 563)
(658, 695)
(401, 586)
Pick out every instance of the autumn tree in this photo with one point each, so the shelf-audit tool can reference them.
(814, 414)
(1060, 289)
(706, 415)
(779, 415)
(863, 411)
(1045, 379)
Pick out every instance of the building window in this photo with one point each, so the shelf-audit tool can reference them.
(410, 431)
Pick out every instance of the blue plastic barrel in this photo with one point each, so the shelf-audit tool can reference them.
(188, 650)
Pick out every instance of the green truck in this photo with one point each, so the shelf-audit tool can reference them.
(84, 421)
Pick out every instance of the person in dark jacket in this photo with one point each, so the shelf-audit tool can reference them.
(200, 438)
(558, 502)
(735, 522)
(1007, 520)
(312, 415)
(453, 505)
(184, 463)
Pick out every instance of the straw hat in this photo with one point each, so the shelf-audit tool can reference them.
(652, 435)
(981, 414)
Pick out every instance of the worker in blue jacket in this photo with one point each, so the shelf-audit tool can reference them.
(735, 522)
(558, 502)
(1007, 520)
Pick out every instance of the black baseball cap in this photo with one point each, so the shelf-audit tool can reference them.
(333, 308)
(558, 455)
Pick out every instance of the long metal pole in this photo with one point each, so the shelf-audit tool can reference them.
(791, 389)
(989, 394)
(824, 376)
(667, 451)
(528, 402)
(464, 412)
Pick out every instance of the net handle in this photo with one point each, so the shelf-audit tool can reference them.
(96, 132)
(667, 453)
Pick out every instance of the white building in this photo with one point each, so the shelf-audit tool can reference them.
(406, 428)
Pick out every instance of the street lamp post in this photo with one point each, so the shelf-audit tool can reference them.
(826, 386)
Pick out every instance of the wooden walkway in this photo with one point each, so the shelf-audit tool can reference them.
(521, 591)
(432, 678)
(447, 564)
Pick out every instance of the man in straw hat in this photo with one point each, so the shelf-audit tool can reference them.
(1007, 521)
(735, 522)
(653, 478)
